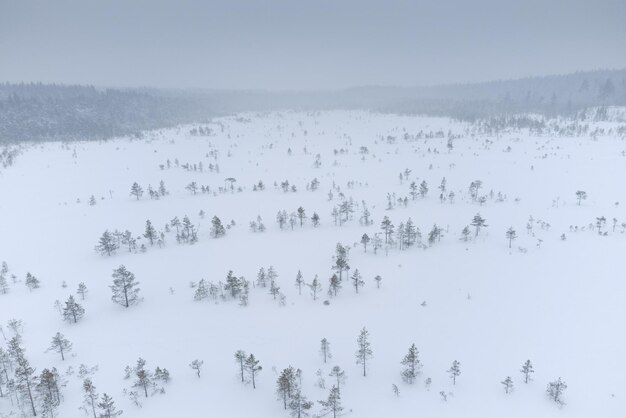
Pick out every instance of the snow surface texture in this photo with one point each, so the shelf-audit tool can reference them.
(559, 303)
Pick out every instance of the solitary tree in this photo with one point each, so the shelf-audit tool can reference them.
(106, 244)
(136, 190)
(60, 344)
(82, 290)
(555, 391)
(107, 408)
(299, 282)
(217, 229)
(364, 350)
(253, 368)
(478, 222)
(332, 405)
(580, 196)
(508, 385)
(315, 287)
(511, 235)
(240, 359)
(339, 375)
(150, 233)
(365, 239)
(73, 311)
(325, 349)
(454, 371)
(411, 365)
(527, 370)
(357, 280)
(125, 287)
(90, 397)
(196, 365)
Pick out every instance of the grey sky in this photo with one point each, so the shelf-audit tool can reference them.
(305, 44)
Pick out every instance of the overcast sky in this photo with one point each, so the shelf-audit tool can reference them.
(305, 44)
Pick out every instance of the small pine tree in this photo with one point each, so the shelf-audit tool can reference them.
(555, 391)
(357, 280)
(60, 344)
(508, 385)
(197, 366)
(299, 282)
(31, 282)
(378, 279)
(240, 359)
(527, 370)
(90, 397)
(454, 371)
(332, 405)
(73, 311)
(136, 190)
(217, 229)
(125, 287)
(253, 368)
(82, 290)
(411, 365)
(325, 350)
(107, 408)
(315, 287)
(364, 351)
(511, 235)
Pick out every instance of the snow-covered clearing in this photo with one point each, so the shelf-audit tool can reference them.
(559, 303)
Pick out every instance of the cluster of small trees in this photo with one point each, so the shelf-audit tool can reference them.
(295, 218)
(233, 288)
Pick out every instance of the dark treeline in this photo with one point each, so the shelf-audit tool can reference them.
(38, 112)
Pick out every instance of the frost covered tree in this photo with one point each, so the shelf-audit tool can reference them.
(423, 189)
(387, 228)
(555, 391)
(454, 371)
(527, 370)
(465, 233)
(411, 365)
(31, 282)
(240, 359)
(217, 229)
(82, 290)
(192, 187)
(261, 278)
(325, 349)
(299, 282)
(60, 344)
(315, 287)
(332, 405)
(580, 196)
(365, 239)
(364, 350)
(315, 220)
(143, 377)
(301, 215)
(339, 376)
(253, 368)
(334, 285)
(508, 385)
(25, 378)
(299, 405)
(107, 244)
(197, 366)
(48, 390)
(106, 407)
(511, 235)
(73, 311)
(341, 259)
(378, 279)
(90, 397)
(286, 385)
(357, 280)
(125, 287)
(478, 222)
(150, 233)
(136, 190)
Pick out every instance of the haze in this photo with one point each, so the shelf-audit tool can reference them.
(323, 44)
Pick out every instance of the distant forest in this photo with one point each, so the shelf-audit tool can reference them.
(40, 112)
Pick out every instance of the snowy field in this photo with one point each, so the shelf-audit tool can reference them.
(556, 297)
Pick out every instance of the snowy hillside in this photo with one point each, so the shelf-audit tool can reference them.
(555, 297)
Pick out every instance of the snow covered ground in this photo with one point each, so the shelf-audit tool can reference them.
(558, 302)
